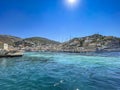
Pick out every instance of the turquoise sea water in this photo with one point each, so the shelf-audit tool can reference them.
(61, 71)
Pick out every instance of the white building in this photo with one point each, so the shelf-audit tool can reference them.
(5, 46)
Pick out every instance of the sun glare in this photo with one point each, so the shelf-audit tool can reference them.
(72, 3)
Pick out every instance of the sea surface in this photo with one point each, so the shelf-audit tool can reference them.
(61, 71)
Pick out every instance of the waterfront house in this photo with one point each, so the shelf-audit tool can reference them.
(4, 46)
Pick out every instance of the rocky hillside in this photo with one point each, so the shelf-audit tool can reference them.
(94, 42)
(29, 42)
(37, 43)
(9, 39)
(34, 42)
(91, 43)
(37, 40)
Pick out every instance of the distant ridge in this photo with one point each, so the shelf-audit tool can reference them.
(41, 40)
(9, 39)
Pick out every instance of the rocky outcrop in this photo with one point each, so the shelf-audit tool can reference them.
(3, 52)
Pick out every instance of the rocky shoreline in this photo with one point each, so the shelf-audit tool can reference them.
(93, 43)
(4, 53)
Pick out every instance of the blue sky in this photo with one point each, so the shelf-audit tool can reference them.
(52, 19)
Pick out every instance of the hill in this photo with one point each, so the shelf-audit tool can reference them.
(9, 39)
(90, 43)
(94, 42)
(40, 40)
(37, 43)
(16, 41)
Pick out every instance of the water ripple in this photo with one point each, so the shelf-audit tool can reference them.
(61, 71)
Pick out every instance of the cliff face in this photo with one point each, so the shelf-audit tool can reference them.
(94, 42)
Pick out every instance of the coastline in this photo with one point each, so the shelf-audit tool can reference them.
(6, 54)
(19, 53)
(94, 43)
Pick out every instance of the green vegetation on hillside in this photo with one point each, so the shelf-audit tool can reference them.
(40, 40)
(9, 39)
